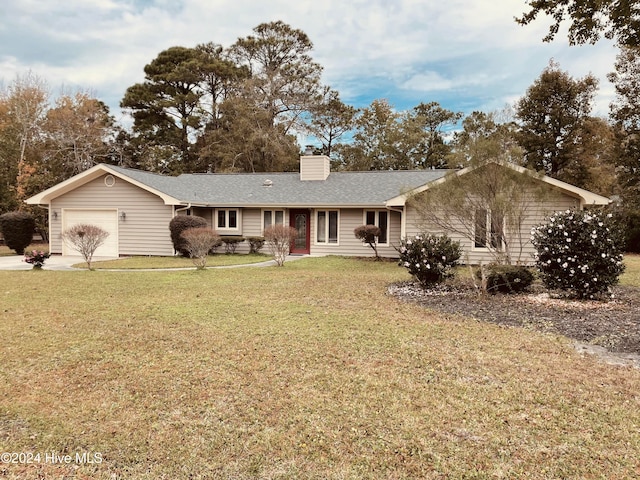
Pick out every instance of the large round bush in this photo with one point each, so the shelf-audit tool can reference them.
(17, 229)
(579, 252)
(429, 258)
(179, 224)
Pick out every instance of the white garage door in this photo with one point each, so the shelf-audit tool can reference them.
(105, 219)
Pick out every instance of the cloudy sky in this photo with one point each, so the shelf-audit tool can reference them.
(465, 54)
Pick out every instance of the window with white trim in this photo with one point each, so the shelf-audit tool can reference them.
(227, 219)
(379, 218)
(489, 230)
(327, 226)
(272, 217)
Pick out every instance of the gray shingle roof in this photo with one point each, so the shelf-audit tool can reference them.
(248, 189)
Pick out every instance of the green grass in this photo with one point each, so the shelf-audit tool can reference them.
(309, 371)
(631, 276)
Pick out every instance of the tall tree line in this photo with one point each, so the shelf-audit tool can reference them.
(245, 108)
(45, 141)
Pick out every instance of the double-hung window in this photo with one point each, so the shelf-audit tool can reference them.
(327, 226)
(489, 230)
(379, 218)
(227, 219)
(272, 217)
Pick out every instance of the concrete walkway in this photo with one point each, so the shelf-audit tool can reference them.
(55, 262)
(64, 263)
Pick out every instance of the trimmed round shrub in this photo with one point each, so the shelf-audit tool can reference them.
(199, 242)
(368, 234)
(506, 278)
(231, 243)
(579, 252)
(255, 244)
(17, 229)
(179, 224)
(429, 258)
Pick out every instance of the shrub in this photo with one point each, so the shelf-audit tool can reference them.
(368, 234)
(231, 243)
(36, 258)
(179, 224)
(199, 242)
(17, 229)
(429, 258)
(279, 237)
(85, 239)
(506, 278)
(579, 252)
(255, 244)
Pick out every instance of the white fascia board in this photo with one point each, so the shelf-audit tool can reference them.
(45, 197)
(586, 197)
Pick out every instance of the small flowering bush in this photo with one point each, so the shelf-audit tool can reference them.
(429, 258)
(579, 252)
(36, 258)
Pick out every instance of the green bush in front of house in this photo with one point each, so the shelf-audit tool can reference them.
(506, 278)
(179, 224)
(231, 243)
(255, 244)
(579, 252)
(429, 258)
(17, 229)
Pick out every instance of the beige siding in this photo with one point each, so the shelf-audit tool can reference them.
(251, 227)
(250, 224)
(348, 244)
(315, 167)
(520, 253)
(144, 231)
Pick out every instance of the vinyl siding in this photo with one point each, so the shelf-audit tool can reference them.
(145, 231)
(314, 168)
(348, 244)
(537, 214)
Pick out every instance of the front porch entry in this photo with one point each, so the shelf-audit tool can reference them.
(301, 221)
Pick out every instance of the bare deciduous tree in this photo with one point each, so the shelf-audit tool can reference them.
(279, 238)
(488, 204)
(85, 239)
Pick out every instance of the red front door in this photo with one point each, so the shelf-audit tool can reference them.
(301, 221)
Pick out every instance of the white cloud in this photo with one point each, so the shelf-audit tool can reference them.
(468, 53)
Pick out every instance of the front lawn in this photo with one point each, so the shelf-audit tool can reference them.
(310, 371)
(631, 275)
(217, 260)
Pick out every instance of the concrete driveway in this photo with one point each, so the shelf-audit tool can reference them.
(55, 262)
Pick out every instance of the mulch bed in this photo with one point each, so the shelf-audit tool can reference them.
(613, 324)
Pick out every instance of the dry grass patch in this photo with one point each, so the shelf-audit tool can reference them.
(631, 276)
(7, 252)
(307, 371)
(154, 262)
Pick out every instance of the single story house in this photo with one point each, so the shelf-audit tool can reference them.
(135, 206)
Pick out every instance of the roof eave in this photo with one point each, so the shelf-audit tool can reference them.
(586, 197)
(45, 197)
